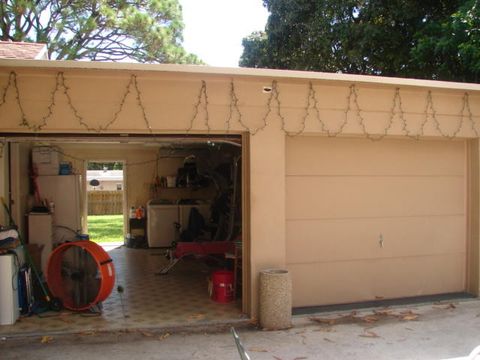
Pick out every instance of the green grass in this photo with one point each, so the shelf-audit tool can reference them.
(105, 228)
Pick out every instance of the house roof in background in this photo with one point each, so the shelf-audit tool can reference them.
(105, 175)
(23, 50)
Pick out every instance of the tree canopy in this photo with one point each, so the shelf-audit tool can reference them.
(95, 165)
(433, 39)
(114, 30)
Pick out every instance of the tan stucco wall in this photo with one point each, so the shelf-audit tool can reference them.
(473, 216)
(169, 97)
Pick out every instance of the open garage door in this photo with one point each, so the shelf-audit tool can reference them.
(196, 180)
(374, 220)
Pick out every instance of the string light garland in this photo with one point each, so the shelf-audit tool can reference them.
(232, 108)
(433, 114)
(273, 104)
(12, 82)
(403, 120)
(129, 164)
(466, 106)
(60, 85)
(73, 108)
(361, 120)
(254, 131)
(303, 121)
(202, 94)
(324, 126)
(132, 83)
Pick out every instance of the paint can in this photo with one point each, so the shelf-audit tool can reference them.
(171, 181)
(222, 286)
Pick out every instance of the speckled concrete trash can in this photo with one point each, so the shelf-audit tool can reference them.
(275, 312)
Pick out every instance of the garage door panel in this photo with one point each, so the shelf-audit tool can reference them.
(341, 282)
(326, 156)
(349, 239)
(312, 197)
(341, 194)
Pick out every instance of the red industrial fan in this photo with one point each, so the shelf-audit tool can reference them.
(80, 274)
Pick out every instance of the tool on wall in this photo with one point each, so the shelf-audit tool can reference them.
(229, 200)
(53, 303)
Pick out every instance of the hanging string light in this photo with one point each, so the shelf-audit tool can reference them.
(361, 120)
(202, 94)
(311, 98)
(61, 86)
(127, 163)
(273, 104)
(323, 126)
(466, 106)
(132, 83)
(12, 82)
(431, 110)
(233, 108)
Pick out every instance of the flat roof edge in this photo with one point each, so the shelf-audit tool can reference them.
(238, 72)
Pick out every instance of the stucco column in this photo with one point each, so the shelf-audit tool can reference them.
(267, 205)
(473, 216)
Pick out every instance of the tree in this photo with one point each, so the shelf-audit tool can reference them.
(375, 37)
(105, 165)
(451, 49)
(115, 30)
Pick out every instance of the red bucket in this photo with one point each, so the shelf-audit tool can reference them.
(222, 282)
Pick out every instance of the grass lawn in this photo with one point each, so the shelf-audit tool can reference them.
(105, 228)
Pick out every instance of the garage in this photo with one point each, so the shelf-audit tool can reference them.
(374, 220)
(352, 219)
(205, 178)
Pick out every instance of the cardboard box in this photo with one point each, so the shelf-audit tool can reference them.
(45, 160)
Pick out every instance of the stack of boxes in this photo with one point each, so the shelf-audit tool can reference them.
(45, 160)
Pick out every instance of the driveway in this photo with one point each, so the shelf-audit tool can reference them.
(427, 331)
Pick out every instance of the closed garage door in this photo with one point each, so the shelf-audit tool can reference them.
(372, 220)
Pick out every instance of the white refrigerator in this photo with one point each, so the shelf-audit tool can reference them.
(161, 221)
(65, 191)
(9, 307)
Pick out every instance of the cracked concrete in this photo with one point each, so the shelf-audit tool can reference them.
(427, 331)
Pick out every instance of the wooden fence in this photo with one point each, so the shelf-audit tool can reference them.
(105, 202)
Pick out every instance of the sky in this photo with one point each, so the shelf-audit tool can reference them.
(214, 29)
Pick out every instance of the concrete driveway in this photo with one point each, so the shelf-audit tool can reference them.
(427, 331)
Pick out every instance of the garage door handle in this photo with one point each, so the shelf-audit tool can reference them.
(380, 241)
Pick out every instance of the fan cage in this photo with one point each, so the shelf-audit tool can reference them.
(81, 274)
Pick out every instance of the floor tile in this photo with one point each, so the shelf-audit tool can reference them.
(148, 300)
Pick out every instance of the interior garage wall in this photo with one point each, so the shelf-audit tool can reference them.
(4, 181)
(140, 169)
(170, 100)
(20, 184)
(138, 178)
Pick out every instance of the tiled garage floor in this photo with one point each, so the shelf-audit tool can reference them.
(149, 300)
